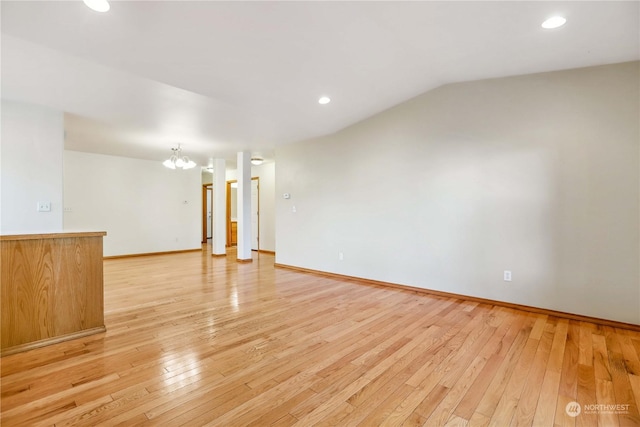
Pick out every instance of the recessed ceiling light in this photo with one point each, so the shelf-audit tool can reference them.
(324, 100)
(98, 5)
(554, 22)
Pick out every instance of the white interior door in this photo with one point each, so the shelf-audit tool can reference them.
(255, 214)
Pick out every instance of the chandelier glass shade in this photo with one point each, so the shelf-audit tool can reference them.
(178, 161)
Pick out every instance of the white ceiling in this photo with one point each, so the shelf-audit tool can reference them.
(220, 77)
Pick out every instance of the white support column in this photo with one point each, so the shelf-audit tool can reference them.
(244, 206)
(219, 244)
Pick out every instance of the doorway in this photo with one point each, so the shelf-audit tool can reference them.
(232, 219)
(207, 212)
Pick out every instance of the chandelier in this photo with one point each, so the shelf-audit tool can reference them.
(177, 160)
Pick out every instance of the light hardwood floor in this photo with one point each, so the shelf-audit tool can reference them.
(194, 340)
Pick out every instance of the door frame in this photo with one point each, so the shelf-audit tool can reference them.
(205, 188)
(231, 181)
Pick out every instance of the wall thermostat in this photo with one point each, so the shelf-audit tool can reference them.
(286, 195)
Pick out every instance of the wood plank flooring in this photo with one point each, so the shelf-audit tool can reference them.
(193, 340)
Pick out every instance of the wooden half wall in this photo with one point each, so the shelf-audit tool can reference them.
(51, 288)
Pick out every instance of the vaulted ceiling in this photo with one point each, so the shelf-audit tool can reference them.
(220, 77)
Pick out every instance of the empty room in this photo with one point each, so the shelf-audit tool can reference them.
(299, 213)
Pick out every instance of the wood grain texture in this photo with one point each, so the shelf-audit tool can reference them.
(562, 314)
(44, 236)
(197, 340)
(153, 253)
(54, 340)
(51, 288)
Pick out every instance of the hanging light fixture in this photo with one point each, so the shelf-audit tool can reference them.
(177, 160)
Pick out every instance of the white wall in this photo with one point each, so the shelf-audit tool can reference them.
(139, 203)
(536, 174)
(30, 168)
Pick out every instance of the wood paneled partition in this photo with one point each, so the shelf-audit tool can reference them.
(52, 288)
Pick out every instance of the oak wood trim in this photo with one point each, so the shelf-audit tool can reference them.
(264, 251)
(152, 253)
(204, 207)
(549, 312)
(218, 255)
(228, 198)
(244, 261)
(205, 188)
(49, 341)
(257, 178)
(61, 235)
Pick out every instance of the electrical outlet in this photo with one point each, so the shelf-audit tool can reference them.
(507, 275)
(44, 206)
(341, 256)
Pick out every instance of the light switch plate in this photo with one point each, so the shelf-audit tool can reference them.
(44, 206)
